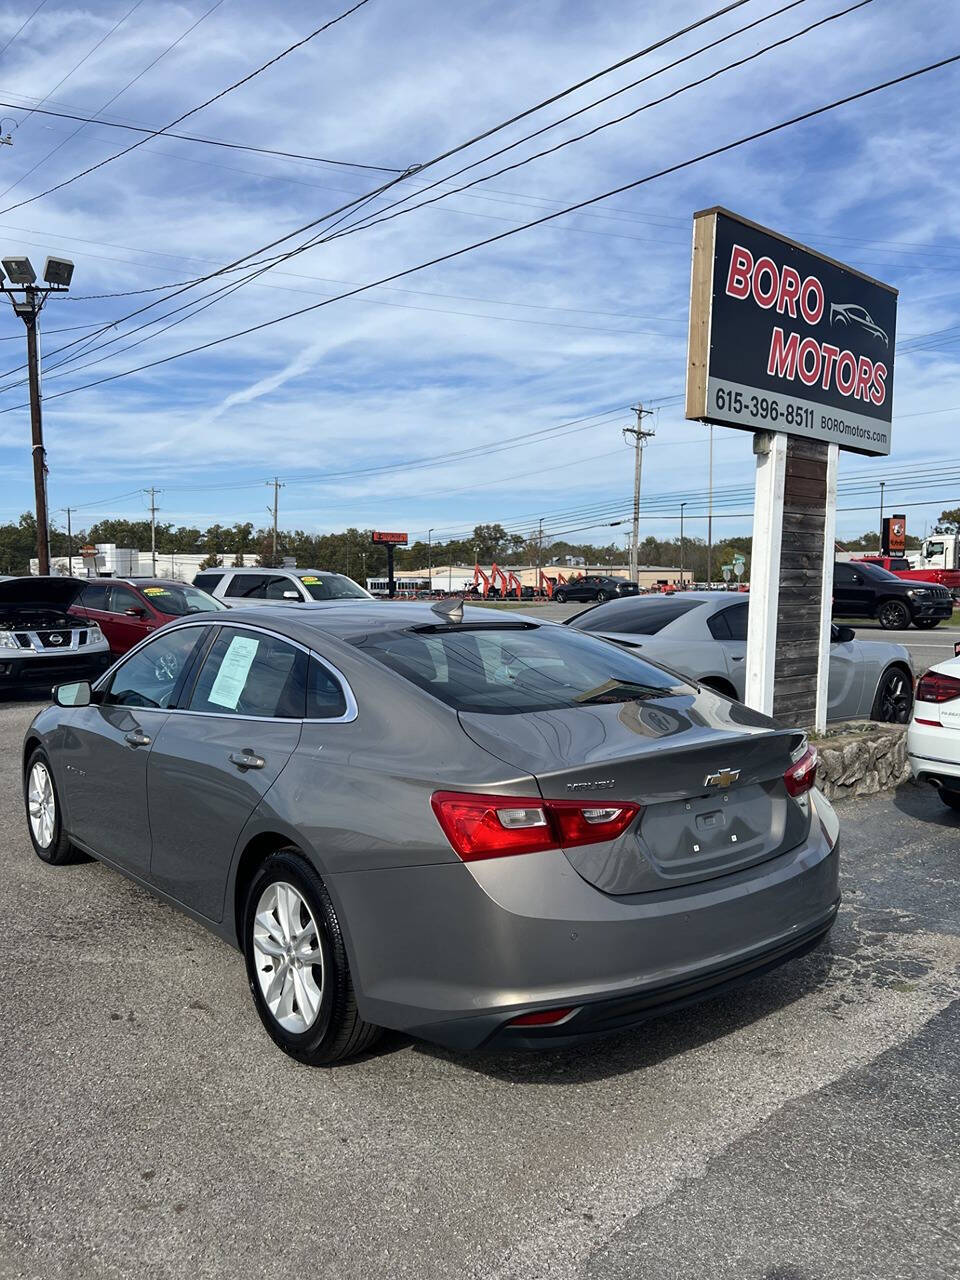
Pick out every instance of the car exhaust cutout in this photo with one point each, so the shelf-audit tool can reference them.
(485, 826)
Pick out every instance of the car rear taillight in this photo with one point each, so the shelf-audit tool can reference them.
(934, 686)
(801, 775)
(481, 826)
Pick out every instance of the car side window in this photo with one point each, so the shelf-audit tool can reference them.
(122, 598)
(718, 626)
(94, 596)
(249, 673)
(207, 581)
(277, 588)
(151, 677)
(325, 697)
(842, 573)
(247, 586)
(736, 619)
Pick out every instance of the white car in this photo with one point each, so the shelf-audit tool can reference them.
(933, 739)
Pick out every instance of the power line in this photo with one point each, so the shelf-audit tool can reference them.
(193, 110)
(365, 197)
(140, 74)
(19, 29)
(546, 218)
(192, 137)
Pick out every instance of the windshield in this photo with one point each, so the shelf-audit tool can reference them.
(878, 571)
(179, 601)
(643, 617)
(333, 586)
(506, 670)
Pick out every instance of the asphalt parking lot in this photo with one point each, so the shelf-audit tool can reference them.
(803, 1128)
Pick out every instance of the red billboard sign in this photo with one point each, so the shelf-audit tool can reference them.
(391, 539)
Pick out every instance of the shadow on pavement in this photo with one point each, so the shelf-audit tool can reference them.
(667, 1036)
(923, 804)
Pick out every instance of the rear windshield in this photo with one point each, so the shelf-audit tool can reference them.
(179, 601)
(333, 586)
(644, 617)
(507, 670)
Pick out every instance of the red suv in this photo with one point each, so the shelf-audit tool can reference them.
(129, 609)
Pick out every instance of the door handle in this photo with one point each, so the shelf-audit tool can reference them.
(246, 760)
(738, 657)
(136, 738)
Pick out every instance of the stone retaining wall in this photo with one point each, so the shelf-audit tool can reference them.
(861, 759)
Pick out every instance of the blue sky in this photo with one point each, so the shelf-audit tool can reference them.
(577, 319)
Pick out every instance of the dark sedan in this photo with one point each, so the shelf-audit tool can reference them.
(597, 587)
(479, 829)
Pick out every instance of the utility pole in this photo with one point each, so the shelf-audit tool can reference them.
(710, 519)
(682, 505)
(153, 530)
(430, 557)
(880, 543)
(19, 278)
(69, 511)
(539, 552)
(640, 435)
(277, 486)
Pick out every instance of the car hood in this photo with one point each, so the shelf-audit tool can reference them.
(58, 593)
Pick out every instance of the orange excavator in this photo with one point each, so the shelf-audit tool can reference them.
(514, 584)
(498, 580)
(478, 577)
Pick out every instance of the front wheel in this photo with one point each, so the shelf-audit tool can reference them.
(50, 842)
(297, 964)
(602, 597)
(560, 597)
(893, 615)
(894, 698)
(926, 624)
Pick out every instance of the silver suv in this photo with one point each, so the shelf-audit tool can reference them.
(41, 642)
(278, 586)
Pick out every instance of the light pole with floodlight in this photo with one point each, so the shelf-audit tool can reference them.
(19, 282)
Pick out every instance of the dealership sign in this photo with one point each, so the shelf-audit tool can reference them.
(381, 537)
(784, 339)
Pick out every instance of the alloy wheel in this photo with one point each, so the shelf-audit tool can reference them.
(894, 616)
(894, 699)
(42, 805)
(289, 958)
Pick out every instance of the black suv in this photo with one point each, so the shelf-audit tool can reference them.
(867, 591)
(594, 587)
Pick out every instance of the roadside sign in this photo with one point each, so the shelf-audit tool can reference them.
(727, 571)
(893, 538)
(785, 339)
(389, 539)
(739, 565)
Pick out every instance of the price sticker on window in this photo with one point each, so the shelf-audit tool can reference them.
(233, 673)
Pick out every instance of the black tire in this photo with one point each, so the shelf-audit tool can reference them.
(893, 615)
(602, 597)
(58, 851)
(926, 624)
(337, 1031)
(560, 597)
(893, 701)
(949, 798)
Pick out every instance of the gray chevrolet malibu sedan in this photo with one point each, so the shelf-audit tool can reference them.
(473, 827)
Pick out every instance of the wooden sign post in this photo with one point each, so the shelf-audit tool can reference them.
(797, 348)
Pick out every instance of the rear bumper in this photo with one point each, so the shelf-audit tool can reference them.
(933, 752)
(38, 671)
(451, 953)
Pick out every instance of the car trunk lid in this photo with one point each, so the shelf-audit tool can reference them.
(708, 773)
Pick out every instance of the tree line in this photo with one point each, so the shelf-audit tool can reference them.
(352, 553)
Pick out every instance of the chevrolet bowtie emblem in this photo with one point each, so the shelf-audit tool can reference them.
(722, 779)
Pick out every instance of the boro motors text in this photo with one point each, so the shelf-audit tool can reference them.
(790, 356)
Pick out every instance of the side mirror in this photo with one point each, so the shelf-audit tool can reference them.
(291, 595)
(135, 611)
(845, 635)
(73, 695)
